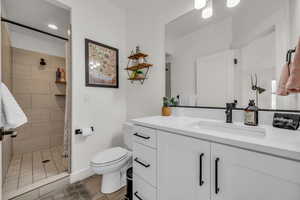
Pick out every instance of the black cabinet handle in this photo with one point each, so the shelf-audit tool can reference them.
(140, 136)
(141, 163)
(201, 182)
(217, 189)
(137, 196)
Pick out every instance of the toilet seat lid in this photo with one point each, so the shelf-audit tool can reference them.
(109, 155)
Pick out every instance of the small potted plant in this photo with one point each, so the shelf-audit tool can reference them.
(139, 74)
(167, 103)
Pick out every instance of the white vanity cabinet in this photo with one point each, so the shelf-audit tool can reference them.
(177, 167)
(183, 168)
(247, 175)
(144, 164)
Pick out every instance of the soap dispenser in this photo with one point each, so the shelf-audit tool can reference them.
(251, 114)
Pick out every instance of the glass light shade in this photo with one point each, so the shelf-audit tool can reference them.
(208, 11)
(199, 4)
(232, 3)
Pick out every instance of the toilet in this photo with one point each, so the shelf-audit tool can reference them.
(113, 163)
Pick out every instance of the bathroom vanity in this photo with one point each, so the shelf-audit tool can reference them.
(184, 158)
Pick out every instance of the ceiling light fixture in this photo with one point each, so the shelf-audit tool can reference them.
(208, 11)
(232, 3)
(199, 4)
(52, 26)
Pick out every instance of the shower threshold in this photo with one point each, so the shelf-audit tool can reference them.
(40, 188)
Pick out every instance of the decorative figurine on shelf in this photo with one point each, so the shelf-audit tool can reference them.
(137, 49)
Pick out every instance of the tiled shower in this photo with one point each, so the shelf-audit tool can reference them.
(34, 88)
(37, 152)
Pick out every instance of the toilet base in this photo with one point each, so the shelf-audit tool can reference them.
(112, 182)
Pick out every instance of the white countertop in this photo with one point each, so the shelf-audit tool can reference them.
(275, 141)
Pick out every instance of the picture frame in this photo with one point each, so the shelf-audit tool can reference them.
(101, 65)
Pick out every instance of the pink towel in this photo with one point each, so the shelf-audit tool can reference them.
(285, 74)
(293, 84)
(290, 76)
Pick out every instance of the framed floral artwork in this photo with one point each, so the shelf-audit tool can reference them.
(101, 64)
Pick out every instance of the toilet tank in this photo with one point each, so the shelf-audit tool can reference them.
(128, 131)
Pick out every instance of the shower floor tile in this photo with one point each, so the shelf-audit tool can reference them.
(28, 168)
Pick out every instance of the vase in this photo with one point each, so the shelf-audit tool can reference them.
(166, 111)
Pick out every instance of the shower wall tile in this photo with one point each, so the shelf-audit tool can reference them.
(35, 89)
(22, 56)
(22, 71)
(58, 102)
(57, 88)
(40, 129)
(43, 74)
(22, 86)
(57, 115)
(57, 125)
(40, 115)
(40, 86)
(57, 62)
(42, 101)
(24, 100)
(23, 132)
(56, 140)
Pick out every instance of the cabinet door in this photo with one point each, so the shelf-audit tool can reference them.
(240, 174)
(183, 168)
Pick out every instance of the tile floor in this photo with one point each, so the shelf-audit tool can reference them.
(88, 189)
(28, 168)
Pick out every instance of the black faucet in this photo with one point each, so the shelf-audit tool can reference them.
(228, 112)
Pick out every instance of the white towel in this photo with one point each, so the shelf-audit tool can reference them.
(12, 114)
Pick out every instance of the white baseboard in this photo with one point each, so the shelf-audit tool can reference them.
(81, 175)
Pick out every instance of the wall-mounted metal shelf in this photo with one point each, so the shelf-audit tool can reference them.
(137, 67)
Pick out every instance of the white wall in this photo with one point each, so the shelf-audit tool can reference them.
(146, 99)
(34, 42)
(146, 22)
(295, 21)
(103, 108)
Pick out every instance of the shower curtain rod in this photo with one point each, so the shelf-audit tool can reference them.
(34, 29)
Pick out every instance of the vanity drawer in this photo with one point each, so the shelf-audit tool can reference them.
(146, 136)
(142, 190)
(144, 163)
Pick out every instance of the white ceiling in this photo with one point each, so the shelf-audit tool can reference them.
(193, 21)
(37, 14)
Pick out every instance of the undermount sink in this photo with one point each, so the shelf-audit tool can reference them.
(234, 128)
